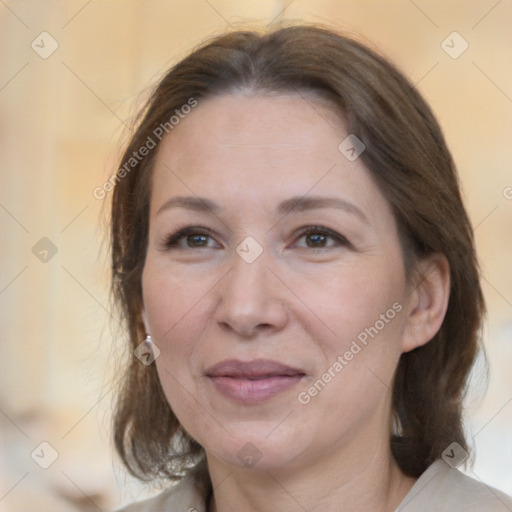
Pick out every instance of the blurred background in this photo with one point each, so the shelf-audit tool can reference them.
(72, 75)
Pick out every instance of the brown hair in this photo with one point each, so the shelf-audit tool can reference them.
(407, 156)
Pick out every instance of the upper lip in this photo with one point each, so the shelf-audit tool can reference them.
(257, 368)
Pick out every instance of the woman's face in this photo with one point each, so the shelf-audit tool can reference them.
(274, 284)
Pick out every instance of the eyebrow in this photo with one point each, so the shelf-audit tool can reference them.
(302, 204)
(294, 204)
(198, 204)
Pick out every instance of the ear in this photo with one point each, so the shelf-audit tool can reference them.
(428, 301)
(145, 321)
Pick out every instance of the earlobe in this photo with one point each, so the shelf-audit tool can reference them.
(145, 321)
(428, 301)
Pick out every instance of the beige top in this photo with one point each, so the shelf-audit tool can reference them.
(439, 489)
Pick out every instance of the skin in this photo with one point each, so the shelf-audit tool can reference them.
(298, 303)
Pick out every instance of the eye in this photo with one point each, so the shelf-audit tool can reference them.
(192, 238)
(318, 237)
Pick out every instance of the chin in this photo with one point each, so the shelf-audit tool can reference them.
(258, 447)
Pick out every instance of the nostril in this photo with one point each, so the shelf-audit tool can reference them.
(263, 327)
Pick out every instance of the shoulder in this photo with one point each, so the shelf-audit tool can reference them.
(443, 488)
(188, 495)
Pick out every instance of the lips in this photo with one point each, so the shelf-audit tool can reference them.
(252, 382)
(251, 370)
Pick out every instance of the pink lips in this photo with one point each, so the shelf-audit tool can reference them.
(254, 381)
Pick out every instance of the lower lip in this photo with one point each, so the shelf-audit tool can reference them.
(254, 391)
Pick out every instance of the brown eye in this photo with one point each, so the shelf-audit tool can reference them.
(316, 237)
(191, 238)
(197, 240)
(316, 240)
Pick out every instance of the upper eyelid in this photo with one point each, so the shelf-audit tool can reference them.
(171, 240)
(319, 229)
(324, 231)
(203, 230)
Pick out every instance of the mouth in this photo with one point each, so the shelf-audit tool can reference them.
(253, 382)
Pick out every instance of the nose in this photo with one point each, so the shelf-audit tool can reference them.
(252, 299)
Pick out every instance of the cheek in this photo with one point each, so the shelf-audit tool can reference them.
(175, 312)
(170, 299)
(362, 308)
(176, 315)
(365, 317)
(354, 298)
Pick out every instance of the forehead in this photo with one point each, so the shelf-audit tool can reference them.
(260, 149)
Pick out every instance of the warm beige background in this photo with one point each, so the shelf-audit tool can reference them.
(61, 122)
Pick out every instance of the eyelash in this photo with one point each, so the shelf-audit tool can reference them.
(173, 241)
(320, 230)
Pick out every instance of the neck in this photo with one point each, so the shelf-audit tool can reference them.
(363, 479)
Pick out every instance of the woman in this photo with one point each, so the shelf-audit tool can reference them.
(290, 243)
